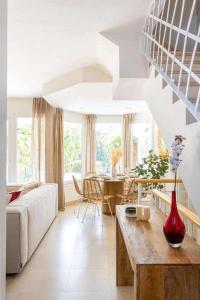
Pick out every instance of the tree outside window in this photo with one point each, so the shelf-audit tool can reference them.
(72, 150)
(142, 140)
(108, 138)
(24, 148)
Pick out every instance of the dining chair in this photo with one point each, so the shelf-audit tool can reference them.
(90, 174)
(95, 195)
(129, 192)
(79, 192)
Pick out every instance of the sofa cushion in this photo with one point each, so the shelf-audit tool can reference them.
(29, 187)
(15, 195)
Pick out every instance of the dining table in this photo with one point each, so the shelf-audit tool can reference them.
(113, 187)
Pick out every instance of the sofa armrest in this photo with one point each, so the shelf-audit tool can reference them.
(16, 239)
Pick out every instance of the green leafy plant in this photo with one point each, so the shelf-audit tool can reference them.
(153, 167)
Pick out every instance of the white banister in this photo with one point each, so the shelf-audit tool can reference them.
(165, 45)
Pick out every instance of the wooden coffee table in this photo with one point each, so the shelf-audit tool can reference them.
(145, 260)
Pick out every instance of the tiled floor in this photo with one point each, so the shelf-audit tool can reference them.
(74, 261)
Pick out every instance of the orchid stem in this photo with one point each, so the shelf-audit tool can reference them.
(175, 181)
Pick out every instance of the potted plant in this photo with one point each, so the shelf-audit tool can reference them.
(153, 167)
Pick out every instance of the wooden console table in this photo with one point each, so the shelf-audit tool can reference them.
(145, 260)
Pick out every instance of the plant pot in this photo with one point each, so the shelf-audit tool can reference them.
(174, 228)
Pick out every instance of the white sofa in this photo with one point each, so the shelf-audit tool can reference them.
(28, 219)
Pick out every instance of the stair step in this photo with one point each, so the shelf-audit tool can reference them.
(184, 83)
(176, 68)
(176, 72)
(178, 54)
(184, 77)
(187, 58)
(192, 92)
(192, 99)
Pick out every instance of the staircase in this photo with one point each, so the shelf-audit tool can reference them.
(172, 119)
(174, 50)
(171, 43)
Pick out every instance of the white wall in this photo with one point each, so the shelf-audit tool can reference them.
(132, 63)
(3, 21)
(171, 120)
(19, 107)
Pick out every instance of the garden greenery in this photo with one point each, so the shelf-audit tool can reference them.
(154, 167)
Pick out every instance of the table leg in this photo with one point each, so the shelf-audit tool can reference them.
(112, 188)
(139, 193)
(124, 271)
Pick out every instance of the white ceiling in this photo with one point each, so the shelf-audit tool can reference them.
(47, 38)
(94, 98)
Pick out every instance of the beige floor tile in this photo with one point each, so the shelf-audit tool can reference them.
(87, 261)
(74, 261)
(41, 281)
(81, 280)
(62, 296)
(122, 293)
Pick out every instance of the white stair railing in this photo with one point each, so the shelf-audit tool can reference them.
(171, 43)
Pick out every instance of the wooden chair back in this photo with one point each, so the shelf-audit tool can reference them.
(131, 190)
(93, 190)
(76, 185)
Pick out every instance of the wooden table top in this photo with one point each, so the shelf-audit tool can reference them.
(106, 180)
(146, 243)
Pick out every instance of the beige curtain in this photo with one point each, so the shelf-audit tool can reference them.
(59, 157)
(90, 144)
(127, 141)
(48, 148)
(42, 114)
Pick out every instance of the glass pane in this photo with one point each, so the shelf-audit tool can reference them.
(24, 157)
(108, 138)
(72, 150)
(142, 140)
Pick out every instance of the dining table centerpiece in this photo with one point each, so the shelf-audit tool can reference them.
(116, 156)
(174, 228)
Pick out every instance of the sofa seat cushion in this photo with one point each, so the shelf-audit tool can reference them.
(41, 205)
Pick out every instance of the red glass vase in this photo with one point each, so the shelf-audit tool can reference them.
(174, 228)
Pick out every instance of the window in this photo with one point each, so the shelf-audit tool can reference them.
(24, 157)
(72, 150)
(108, 138)
(142, 140)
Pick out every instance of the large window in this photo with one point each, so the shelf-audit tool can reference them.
(142, 140)
(24, 157)
(72, 150)
(108, 138)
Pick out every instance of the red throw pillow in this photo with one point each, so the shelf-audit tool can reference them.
(15, 195)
